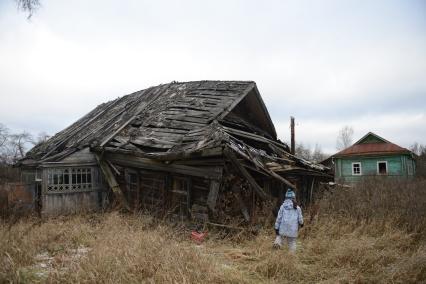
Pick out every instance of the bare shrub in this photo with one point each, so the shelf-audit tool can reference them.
(371, 233)
(399, 202)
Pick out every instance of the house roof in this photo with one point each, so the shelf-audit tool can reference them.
(372, 144)
(179, 121)
(144, 118)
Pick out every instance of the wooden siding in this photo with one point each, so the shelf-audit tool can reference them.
(73, 201)
(397, 166)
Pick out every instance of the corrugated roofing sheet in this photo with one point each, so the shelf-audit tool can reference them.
(372, 149)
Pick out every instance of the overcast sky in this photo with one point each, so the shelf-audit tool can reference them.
(328, 63)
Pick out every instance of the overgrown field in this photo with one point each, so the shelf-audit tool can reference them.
(375, 233)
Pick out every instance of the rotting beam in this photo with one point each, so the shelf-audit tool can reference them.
(150, 164)
(112, 182)
(231, 156)
(213, 194)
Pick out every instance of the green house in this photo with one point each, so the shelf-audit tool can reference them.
(372, 156)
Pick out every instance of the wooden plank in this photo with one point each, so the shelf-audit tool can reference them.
(271, 173)
(312, 189)
(166, 156)
(164, 130)
(231, 156)
(152, 142)
(251, 136)
(112, 182)
(190, 119)
(206, 172)
(277, 176)
(213, 194)
(242, 205)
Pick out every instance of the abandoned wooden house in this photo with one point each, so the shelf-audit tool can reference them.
(203, 150)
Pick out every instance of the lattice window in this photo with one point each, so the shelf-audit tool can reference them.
(69, 179)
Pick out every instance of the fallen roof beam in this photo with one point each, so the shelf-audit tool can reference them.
(150, 164)
(112, 182)
(231, 156)
(265, 169)
(166, 156)
(251, 136)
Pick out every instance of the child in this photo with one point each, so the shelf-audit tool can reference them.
(288, 220)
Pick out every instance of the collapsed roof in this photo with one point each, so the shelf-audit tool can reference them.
(181, 120)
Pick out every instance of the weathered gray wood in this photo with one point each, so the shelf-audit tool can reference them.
(251, 136)
(277, 176)
(166, 156)
(231, 156)
(241, 204)
(143, 163)
(112, 182)
(213, 193)
(237, 101)
(312, 189)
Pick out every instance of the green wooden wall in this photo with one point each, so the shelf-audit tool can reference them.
(398, 166)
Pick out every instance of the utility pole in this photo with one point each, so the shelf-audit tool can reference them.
(293, 143)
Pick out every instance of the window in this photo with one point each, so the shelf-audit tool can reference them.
(69, 179)
(356, 169)
(382, 168)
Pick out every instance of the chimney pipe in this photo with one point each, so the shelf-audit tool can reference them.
(293, 143)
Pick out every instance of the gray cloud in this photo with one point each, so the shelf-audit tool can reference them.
(329, 63)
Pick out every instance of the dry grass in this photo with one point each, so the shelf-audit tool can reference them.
(349, 247)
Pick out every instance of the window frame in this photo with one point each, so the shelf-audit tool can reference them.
(360, 169)
(61, 179)
(378, 168)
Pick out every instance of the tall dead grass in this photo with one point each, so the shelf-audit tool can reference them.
(360, 235)
(401, 203)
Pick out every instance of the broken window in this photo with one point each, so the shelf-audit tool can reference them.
(356, 169)
(69, 179)
(382, 168)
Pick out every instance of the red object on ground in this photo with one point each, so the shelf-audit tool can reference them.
(198, 237)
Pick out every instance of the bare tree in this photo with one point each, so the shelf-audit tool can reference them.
(344, 138)
(4, 134)
(306, 153)
(13, 146)
(303, 151)
(29, 6)
(420, 151)
(41, 138)
(318, 155)
(18, 145)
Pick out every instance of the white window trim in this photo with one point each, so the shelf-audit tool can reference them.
(360, 169)
(387, 169)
